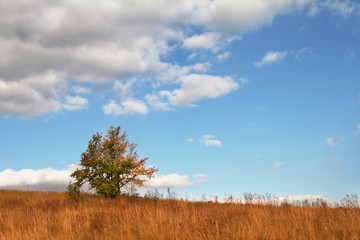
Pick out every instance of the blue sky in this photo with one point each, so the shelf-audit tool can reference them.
(224, 97)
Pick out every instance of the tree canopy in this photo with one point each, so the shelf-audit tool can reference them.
(109, 164)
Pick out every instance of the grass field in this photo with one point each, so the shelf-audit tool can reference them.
(50, 215)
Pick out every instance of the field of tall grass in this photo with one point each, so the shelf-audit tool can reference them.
(51, 215)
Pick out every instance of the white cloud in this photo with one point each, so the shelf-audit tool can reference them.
(313, 10)
(211, 41)
(212, 142)
(193, 88)
(196, 87)
(358, 130)
(124, 89)
(224, 56)
(206, 41)
(37, 95)
(343, 8)
(270, 57)
(301, 53)
(172, 73)
(278, 164)
(75, 103)
(192, 56)
(112, 108)
(134, 106)
(207, 140)
(80, 44)
(158, 101)
(52, 179)
(200, 178)
(174, 181)
(334, 141)
(168, 181)
(42, 179)
(330, 142)
(229, 15)
(81, 90)
(127, 107)
(232, 38)
(274, 56)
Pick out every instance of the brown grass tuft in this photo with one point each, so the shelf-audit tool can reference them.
(50, 215)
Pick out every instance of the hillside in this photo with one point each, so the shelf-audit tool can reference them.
(50, 215)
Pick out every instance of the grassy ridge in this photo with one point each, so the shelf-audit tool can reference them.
(50, 215)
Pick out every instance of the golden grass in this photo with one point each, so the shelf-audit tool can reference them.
(50, 215)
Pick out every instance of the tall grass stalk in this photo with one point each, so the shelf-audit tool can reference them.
(51, 215)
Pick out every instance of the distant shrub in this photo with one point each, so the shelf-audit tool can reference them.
(350, 201)
(73, 192)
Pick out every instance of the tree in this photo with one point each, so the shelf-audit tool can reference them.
(109, 164)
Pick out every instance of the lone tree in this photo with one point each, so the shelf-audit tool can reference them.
(110, 163)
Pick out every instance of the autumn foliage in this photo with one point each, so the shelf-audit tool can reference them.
(109, 164)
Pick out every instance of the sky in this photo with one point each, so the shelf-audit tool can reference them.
(223, 96)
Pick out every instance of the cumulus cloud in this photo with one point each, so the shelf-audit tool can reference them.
(193, 88)
(196, 87)
(42, 179)
(159, 101)
(206, 41)
(270, 57)
(81, 90)
(212, 41)
(49, 179)
(78, 42)
(129, 106)
(52, 49)
(334, 141)
(207, 140)
(228, 16)
(76, 102)
(37, 95)
(124, 89)
(172, 73)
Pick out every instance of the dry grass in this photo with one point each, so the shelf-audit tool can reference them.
(49, 215)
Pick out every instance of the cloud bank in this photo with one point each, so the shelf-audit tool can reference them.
(49, 179)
